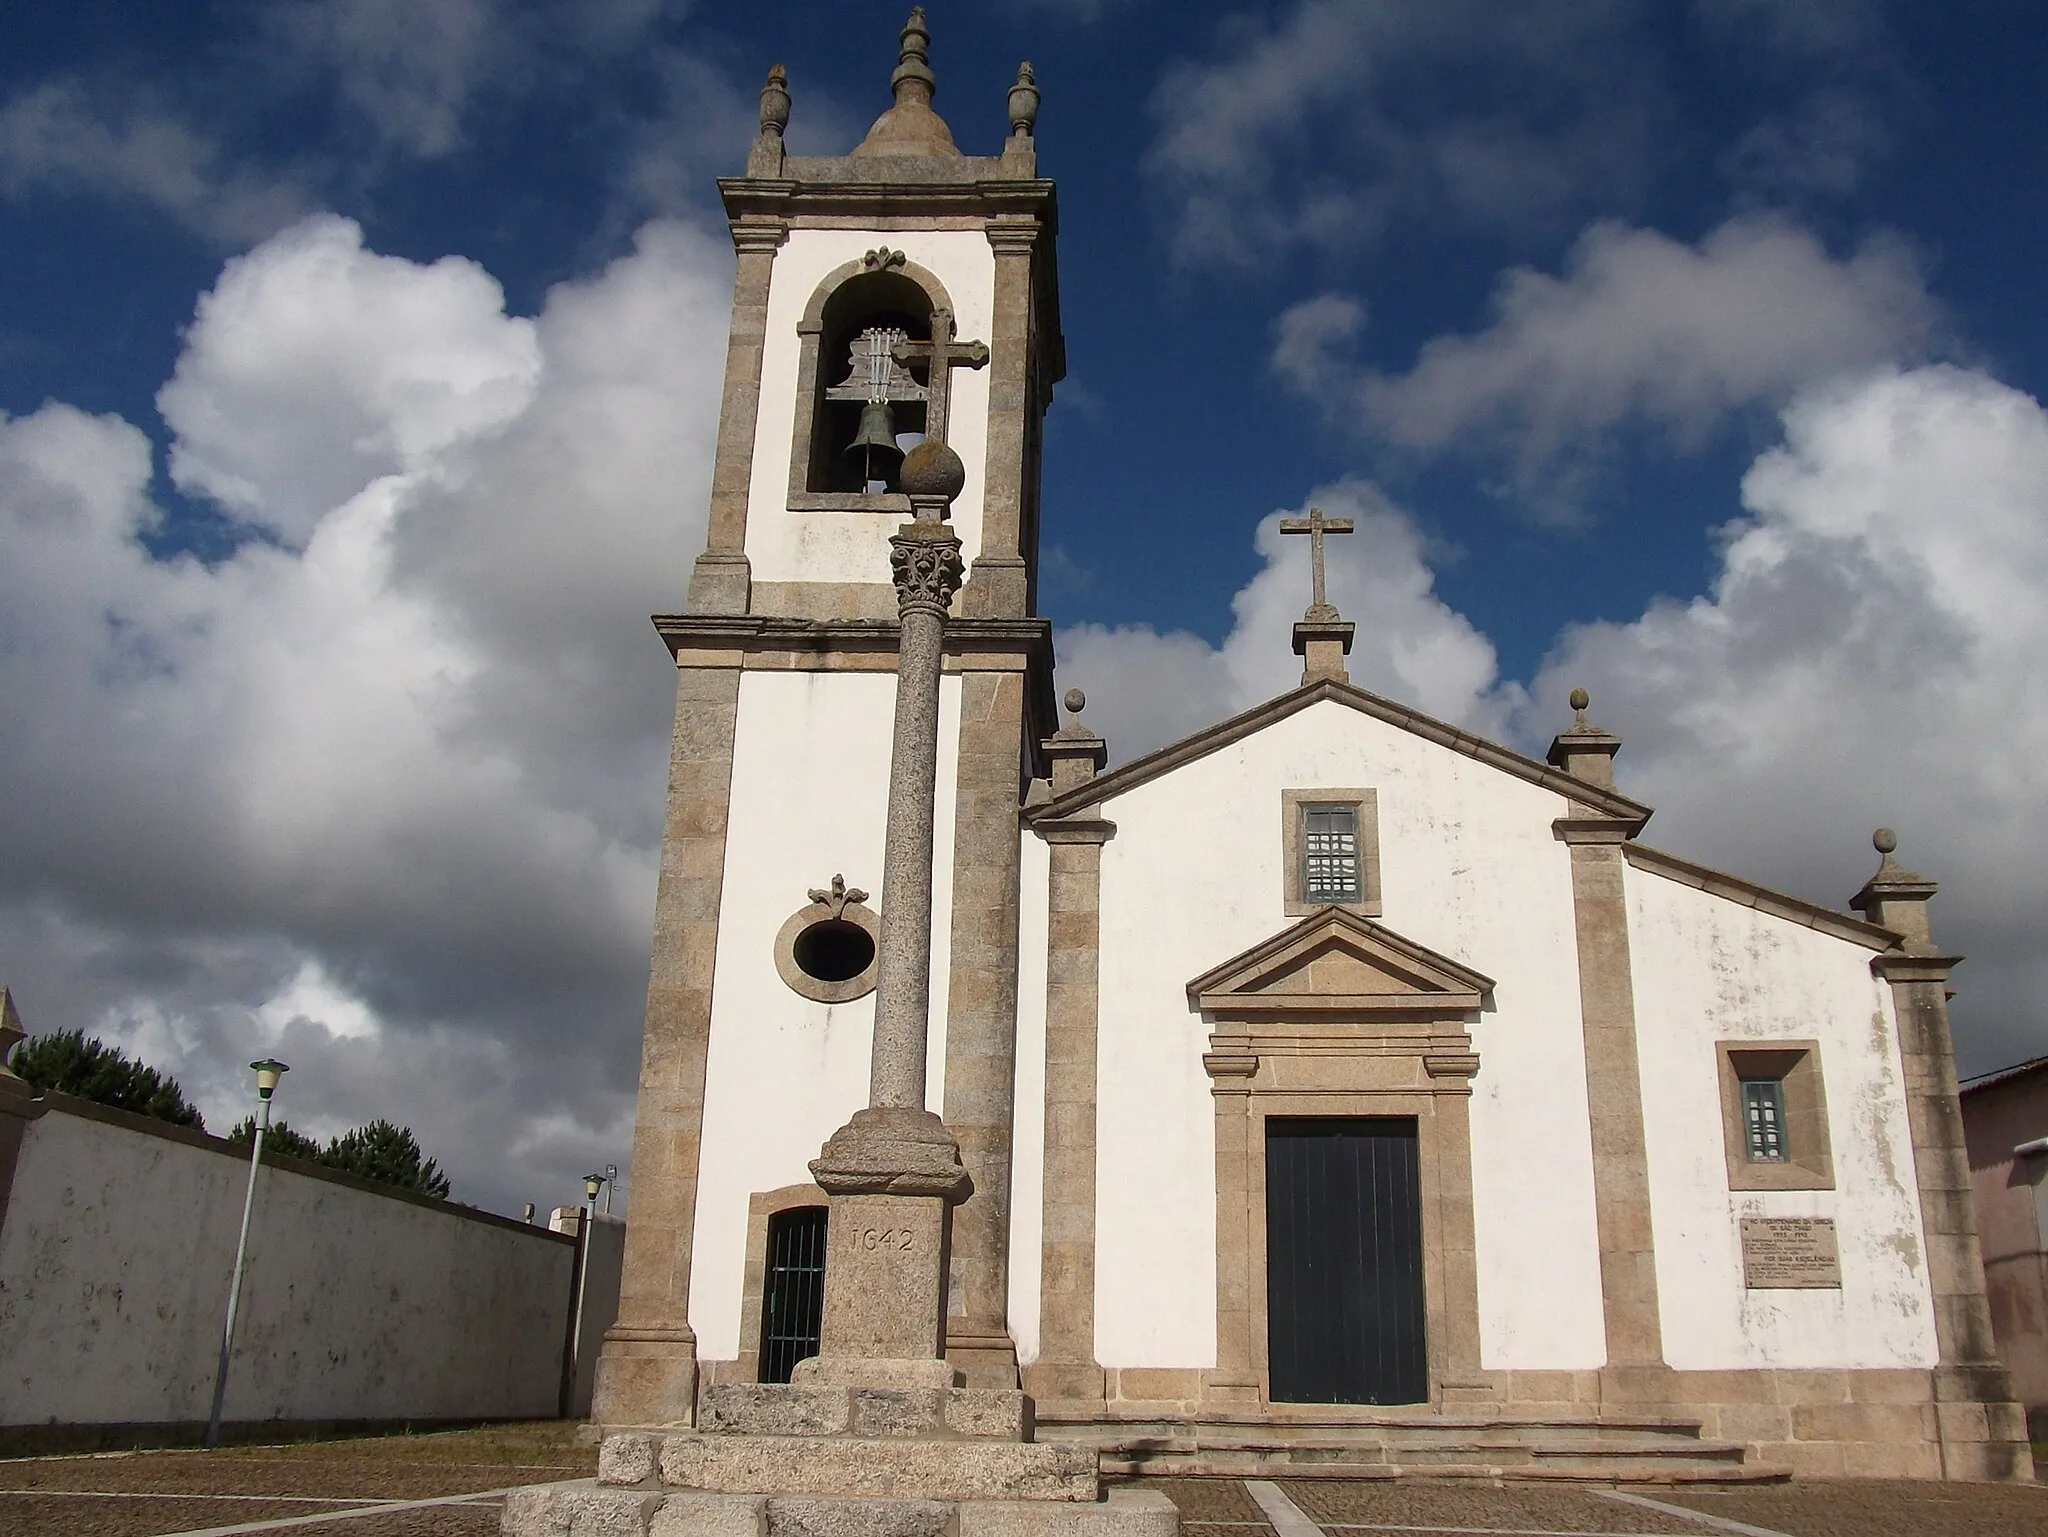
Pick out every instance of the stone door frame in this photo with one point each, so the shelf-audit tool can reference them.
(761, 1206)
(1327, 1068)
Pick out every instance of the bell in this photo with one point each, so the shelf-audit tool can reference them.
(875, 443)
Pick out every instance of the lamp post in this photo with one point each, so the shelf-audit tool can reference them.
(268, 1071)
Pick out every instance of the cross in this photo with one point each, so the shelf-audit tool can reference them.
(1315, 525)
(945, 355)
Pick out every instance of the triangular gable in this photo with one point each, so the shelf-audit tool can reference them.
(1139, 771)
(1336, 963)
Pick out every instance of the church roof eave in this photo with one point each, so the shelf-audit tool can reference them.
(1154, 765)
(1747, 893)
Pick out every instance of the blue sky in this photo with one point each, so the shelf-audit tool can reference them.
(360, 364)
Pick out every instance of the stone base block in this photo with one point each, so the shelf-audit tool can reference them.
(876, 1372)
(581, 1509)
(805, 1409)
(1125, 1513)
(854, 1468)
(585, 1509)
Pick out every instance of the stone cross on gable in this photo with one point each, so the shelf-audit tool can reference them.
(1315, 525)
(945, 355)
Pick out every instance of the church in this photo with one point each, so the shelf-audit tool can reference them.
(1333, 1085)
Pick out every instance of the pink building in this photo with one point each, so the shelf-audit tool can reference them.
(2005, 1125)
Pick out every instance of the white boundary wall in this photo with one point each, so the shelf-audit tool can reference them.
(115, 1254)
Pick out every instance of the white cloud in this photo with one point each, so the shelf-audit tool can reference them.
(1638, 328)
(1322, 128)
(401, 774)
(407, 66)
(62, 136)
(314, 367)
(1147, 688)
(1869, 654)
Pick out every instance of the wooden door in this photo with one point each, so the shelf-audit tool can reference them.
(1344, 1298)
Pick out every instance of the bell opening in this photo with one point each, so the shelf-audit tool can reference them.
(869, 407)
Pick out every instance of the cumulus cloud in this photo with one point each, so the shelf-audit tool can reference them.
(64, 136)
(1319, 130)
(1146, 687)
(1869, 654)
(379, 792)
(1638, 328)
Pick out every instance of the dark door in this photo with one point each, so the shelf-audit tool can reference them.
(793, 1294)
(1344, 1262)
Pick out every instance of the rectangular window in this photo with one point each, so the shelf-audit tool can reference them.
(1774, 1115)
(1329, 854)
(1763, 1117)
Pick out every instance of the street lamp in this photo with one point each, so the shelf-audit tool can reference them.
(592, 1183)
(268, 1071)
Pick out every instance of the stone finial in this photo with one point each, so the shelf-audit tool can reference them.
(765, 157)
(1896, 898)
(1585, 751)
(1077, 753)
(12, 1032)
(1023, 102)
(775, 103)
(932, 471)
(911, 127)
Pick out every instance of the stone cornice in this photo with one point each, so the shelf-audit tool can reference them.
(1593, 829)
(1153, 765)
(949, 189)
(753, 634)
(1075, 830)
(1895, 966)
(1749, 894)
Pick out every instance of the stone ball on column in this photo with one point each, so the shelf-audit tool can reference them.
(932, 469)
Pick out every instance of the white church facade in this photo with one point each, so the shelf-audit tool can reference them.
(1330, 1076)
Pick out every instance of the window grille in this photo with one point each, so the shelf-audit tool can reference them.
(1763, 1115)
(793, 1296)
(1329, 854)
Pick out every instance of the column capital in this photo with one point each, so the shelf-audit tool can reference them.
(754, 233)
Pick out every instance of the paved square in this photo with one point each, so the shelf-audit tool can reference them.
(370, 1488)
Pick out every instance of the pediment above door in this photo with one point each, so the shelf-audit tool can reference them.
(1335, 964)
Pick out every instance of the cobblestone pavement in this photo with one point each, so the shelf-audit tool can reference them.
(358, 1487)
(150, 1494)
(1459, 1508)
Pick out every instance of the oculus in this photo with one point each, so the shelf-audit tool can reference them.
(826, 949)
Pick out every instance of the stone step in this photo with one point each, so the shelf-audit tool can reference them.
(1578, 1469)
(586, 1508)
(1218, 1429)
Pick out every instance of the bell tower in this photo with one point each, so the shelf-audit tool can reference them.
(904, 291)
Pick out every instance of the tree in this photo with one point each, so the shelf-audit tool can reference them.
(71, 1062)
(387, 1153)
(279, 1139)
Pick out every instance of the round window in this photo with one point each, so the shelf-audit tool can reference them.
(833, 951)
(826, 949)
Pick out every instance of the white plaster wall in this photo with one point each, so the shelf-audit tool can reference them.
(1027, 1147)
(1469, 867)
(787, 546)
(114, 1267)
(1707, 969)
(810, 786)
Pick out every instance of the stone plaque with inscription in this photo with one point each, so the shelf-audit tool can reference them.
(1789, 1252)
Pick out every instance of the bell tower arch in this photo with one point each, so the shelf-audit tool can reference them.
(899, 291)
